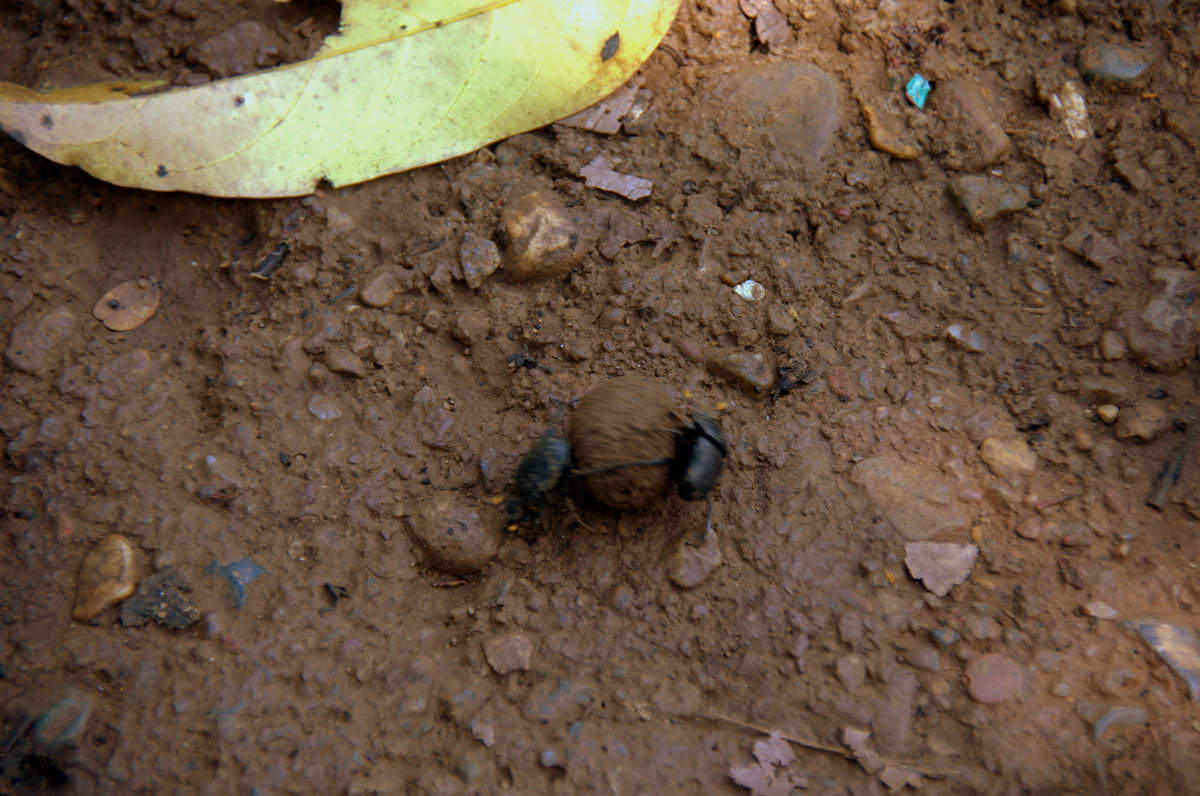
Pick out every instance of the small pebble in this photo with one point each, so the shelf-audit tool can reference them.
(967, 340)
(779, 321)
(479, 259)
(341, 361)
(384, 286)
(1145, 421)
(1083, 439)
(986, 199)
(748, 370)
(1107, 413)
(1115, 66)
(1100, 610)
(994, 678)
(688, 565)
(323, 407)
(107, 576)
(886, 130)
(1008, 457)
(509, 652)
(451, 530)
(543, 241)
(938, 565)
(1113, 345)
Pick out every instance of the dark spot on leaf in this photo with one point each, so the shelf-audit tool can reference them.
(161, 171)
(611, 45)
(47, 122)
(239, 102)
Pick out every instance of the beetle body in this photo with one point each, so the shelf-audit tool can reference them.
(699, 457)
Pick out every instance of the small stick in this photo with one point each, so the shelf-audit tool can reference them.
(1045, 504)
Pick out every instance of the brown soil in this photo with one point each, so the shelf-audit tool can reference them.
(938, 382)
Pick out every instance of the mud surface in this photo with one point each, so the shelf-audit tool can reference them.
(968, 353)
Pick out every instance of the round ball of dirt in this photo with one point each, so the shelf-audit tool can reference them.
(623, 435)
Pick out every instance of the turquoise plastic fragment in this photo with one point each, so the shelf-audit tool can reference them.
(918, 90)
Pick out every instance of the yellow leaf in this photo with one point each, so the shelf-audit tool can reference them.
(401, 85)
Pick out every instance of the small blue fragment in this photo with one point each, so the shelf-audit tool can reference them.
(918, 91)
(239, 575)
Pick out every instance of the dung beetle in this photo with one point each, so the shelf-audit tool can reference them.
(540, 470)
(695, 466)
(699, 456)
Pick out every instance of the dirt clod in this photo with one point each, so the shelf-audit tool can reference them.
(623, 435)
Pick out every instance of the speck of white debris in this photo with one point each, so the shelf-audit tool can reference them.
(750, 290)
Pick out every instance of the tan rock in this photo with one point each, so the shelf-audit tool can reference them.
(508, 652)
(1008, 457)
(886, 130)
(543, 240)
(1142, 422)
(688, 565)
(108, 574)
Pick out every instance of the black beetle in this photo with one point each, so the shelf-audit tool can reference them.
(540, 470)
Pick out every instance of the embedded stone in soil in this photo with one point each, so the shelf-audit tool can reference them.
(618, 424)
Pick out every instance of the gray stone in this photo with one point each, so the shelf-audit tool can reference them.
(985, 199)
(451, 531)
(1115, 66)
(919, 503)
(940, 566)
(479, 259)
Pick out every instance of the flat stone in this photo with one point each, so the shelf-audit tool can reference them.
(938, 565)
(508, 652)
(479, 258)
(985, 199)
(451, 531)
(748, 370)
(1164, 335)
(1008, 457)
(918, 502)
(689, 565)
(790, 108)
(107, 576)
(994, 678)
(128, 305)
(242, 48)
(342, 361)
(33, 345)
(1145, 421)
(972, 113)
(384, 286)
(1092, 246)
(886, 130)
(1115, 66)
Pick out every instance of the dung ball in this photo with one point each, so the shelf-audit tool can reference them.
(620, 424)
